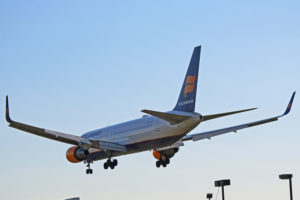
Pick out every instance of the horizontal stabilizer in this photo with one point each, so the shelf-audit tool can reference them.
(169, 117)
(209, 117)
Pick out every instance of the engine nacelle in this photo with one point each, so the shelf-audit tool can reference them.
(76, 154)
(156, 154)
(169, 153)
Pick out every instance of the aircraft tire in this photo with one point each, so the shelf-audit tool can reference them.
(105, 165)
(158, 164)
(115, 162)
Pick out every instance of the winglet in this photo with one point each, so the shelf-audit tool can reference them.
(288, 109)
(7, 112)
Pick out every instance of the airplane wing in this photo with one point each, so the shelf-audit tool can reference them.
(63, 137)
(209, 134)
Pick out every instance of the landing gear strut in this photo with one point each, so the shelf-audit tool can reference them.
(110, 163)
(162, 162)
(89, 170)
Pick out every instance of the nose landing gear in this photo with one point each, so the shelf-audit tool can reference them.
(89, 170)
(110, 163)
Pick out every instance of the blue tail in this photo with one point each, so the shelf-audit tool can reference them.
(187, 97)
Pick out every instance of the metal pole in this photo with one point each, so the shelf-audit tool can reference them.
(291, 189)
(223, 196)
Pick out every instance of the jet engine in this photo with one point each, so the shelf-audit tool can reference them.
(168, 153)
(76, 154)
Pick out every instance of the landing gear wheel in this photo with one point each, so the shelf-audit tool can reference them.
(157, 164)
(115, 162)
(89, 170)
(111, 164)
(163, 162)
(105, 165)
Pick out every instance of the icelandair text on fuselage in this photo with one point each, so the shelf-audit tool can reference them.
(186, 102)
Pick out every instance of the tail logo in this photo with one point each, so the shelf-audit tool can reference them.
(189, 85)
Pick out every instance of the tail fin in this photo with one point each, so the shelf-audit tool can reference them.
(187, 97)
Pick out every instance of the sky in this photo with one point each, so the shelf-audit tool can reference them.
(74, 66)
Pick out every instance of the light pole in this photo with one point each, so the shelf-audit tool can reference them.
(289, 177)
(209, 196)
(222, 183)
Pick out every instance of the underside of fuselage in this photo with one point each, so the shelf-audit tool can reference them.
(160, 134)
(136, 147)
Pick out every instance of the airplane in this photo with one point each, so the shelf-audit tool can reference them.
(163, 133)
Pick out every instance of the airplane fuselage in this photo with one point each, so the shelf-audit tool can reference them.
(141, 134)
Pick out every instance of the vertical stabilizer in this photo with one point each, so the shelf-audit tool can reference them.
(187, 97)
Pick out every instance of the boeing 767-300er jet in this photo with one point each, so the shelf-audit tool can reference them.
(162, 132)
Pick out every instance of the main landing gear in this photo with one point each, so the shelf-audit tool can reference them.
(110, 163)
(162, 162)
(89, 170)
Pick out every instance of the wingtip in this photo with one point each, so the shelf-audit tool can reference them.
(289, 107)
(7, 111)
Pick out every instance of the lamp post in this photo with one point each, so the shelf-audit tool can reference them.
(209, 196)
(222, 183)
(289, 177)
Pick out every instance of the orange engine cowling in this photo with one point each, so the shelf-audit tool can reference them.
(76, 154)
(168, 153)
(156, 154)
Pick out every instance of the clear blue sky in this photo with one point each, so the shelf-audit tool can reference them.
(74, 66)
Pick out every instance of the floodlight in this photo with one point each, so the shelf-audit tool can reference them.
(209, 196)
(288, 177)
(222, 183)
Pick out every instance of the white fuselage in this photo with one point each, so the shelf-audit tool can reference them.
(145, 133)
